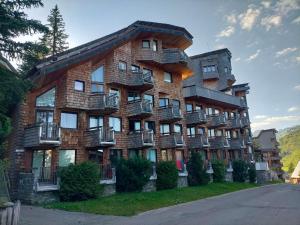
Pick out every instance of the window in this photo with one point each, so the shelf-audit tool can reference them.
(191, 131)
(219, 133)
(155, 45)
(228, 134)
(97, 78)
(147, 71)
(179, 160)
(163, 102)
(164, 129)
(133, 96)
(68, 120)
(66, 157)
(150, 125)
(150, 98)
(134, 153)
(234, 134)
(176, 103)
(232, 115)
(115, 155)
(95, 121)
(122, 66)
(113, 91)
(211, 132)
(189, 107)
(115, 123)
(135, 125)
(135, 69)
(166, 155)
(226, 69)
(208, 69)
(145, 44)
(167, 77)
(78, 85)
(198, 108)
(178, 128)
(201, 130)
(47, 99)
(226, 115)
(209, 111)
(217, 112)
(151, 155)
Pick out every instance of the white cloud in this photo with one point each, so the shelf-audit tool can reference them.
(237, 59)
(248, 18)
(276, 121)
(227, 32)
(298, 59)
(285, 51)
(254, 56)
(271, 21)
(231, 19)
(260, 117)
(293, 109)
(297, 20)
(219, 46)
(266, 4)
(283, 7)
(297, 87)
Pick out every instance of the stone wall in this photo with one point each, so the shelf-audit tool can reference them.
(263, 176)
(182, 181)
(150, 186)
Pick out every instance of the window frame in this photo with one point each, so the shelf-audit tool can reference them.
(70, 113)
(97, 83)
(50, 89)
(75, 156)
(171, 77)
(114, 117)
(152, 98)
(186, 107)
(161, 128)
(122, 63)
(98, 119)
(136, 98)
(83, 85)
(166, 100)
(146, 41)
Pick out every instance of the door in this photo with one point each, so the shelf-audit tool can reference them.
(42, 165)
(46, 118)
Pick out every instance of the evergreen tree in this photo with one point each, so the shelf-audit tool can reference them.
(291, 168)
(56, 39)
(14, 23)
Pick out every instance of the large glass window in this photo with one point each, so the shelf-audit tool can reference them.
(115, 123)
(133, 96)
(150, 125)
(66, 157)
(167, 77)
(163, 102)
(166, 155)
(68, 120)
(97, 78)
(113, 91)
(178, 128)
(191, 131)
(47, 99)
(164, 129)
(155, 46)
(189, 107)
(151, 155)
(135, 125)
(209, 111)
(95, 121)
(179, 160)
(147, 71)
(211, 132)
(150, 98)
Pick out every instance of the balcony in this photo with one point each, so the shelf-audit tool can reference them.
(236, 143)
(197, 141)
(171, 141)
(218, 142)
(47, 134)
(210, 75)
(99, 137)
(230, 79)
(234, 123)
(195, 117)
(170, 114)
(217, 121)
(245, 121)
(140, 109)
(135, 80)
(141, 139)
(45, 179)
(103, 103)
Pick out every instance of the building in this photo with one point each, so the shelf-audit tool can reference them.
(295, 177)
(267, 150)
(122, 96)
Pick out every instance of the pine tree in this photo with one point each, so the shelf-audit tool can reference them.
(55, 39)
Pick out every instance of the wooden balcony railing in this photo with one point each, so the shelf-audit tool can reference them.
(217, 120)
(140, 139)
(170, 113)
(141, 108)
(197, 141)
(172, 140)
(218, 142)
(99, 136)
(195, 117)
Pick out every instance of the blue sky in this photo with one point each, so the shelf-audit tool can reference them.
(263, 36)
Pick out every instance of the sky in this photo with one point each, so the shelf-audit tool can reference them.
(263, 37)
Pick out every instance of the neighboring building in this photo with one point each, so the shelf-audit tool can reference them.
(295, 178)
(267, 149)
(121, 96)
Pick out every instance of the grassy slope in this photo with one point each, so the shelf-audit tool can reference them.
(290, 147)
(128, 204)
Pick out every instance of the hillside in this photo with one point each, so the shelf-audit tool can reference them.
(289, 140)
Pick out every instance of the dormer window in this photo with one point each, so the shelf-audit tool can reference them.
(146, 44)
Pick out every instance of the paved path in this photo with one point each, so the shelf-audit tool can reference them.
(273, 204)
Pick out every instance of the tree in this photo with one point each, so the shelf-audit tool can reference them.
(55, 38)
(197, 173)
(14, 23)
(291, 168)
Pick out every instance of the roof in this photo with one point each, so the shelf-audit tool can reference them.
(257, 133)
(211, 53)
(296, 173)
(6, 64)
(106, 43)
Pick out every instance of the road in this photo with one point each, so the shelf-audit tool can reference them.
(272, 204)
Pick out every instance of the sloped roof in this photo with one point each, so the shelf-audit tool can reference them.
(296, 173)
(6, 64)
(106, 43)
(211, 53)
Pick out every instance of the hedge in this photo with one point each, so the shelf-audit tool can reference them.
(167, 175)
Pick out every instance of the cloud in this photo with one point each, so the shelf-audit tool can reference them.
(275, 121)
(283, 7)
(285, 51)
(254, 56)
(248, 18)
(298, 59)
(293, 109)
(231, 19)
(260, 117)
(237, 59)
(227, 32)
(297, 20)
(271, 21)
(266, 4)
(297, 87)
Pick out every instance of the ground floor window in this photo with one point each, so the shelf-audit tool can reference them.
(133, 153)
(203, 154)
(214, 155)
(66, 157)
(151, 155)
(42, 165)
(166, 155)
(179, 160)
(96, 156)
(223, 154)
(115, 155)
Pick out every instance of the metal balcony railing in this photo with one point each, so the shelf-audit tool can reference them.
(44, 176)
(236, 143)
(141, 108)
(99, 136)
(103, 102)
(141, 139)
(195, 117)
(217, 120)
(218, 142)
(197, 141)
(170, 113)
(172, 140)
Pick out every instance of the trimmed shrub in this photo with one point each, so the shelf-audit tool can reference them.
(252, 173)
(219, 170)
(240, 172)
(132, 174)
(79, 182)
(197, 173)
(167, 175)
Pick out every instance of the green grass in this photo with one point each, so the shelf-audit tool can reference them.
(128, 204)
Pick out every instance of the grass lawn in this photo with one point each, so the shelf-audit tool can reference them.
(128, 204)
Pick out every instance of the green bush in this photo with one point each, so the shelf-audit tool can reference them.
(239, 173)
(167, 175)
(79, 182)
(197, 174)
(219, 170)
(132, 174)
(252, 173)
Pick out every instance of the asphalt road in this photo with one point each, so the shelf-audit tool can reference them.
(273, 204)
